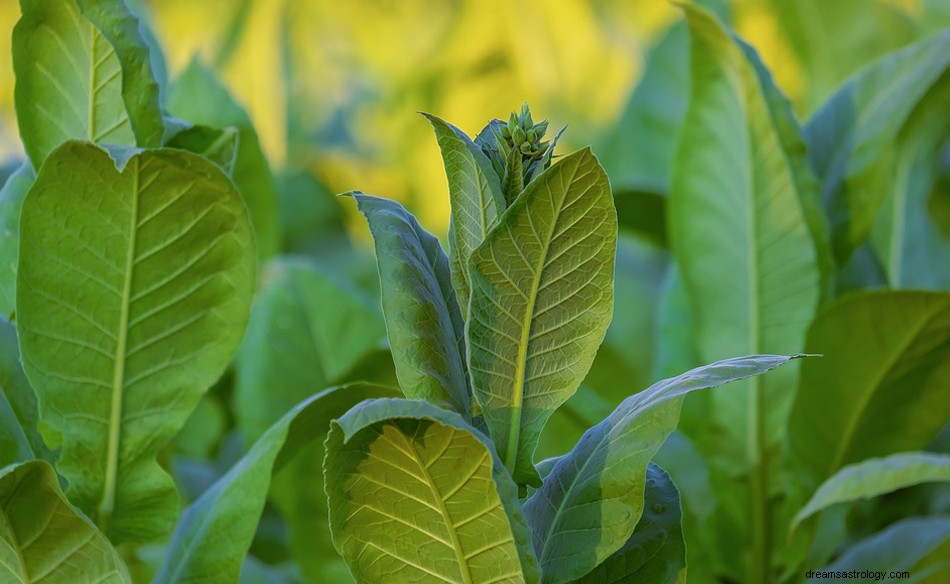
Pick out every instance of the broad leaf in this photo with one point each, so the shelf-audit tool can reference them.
(43, 539)
(11, 200)
(740, 229)
(831, 43)
(234, 503)
(20, 438)
(876, 476)
(920, 546)
(423, 321)
(83, 73)
(476, 199)
(417, 495)
(591, 501)
(880, 387)
(656, 551)
(199, 97)
(308, 329)
(851, 138)
(542, 297)
(133, 291)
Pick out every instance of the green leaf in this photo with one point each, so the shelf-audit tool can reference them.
(830, 43)
(83, 73)
(542, 297)
(476, 197)
(43, 539)
(643, 214)
(920, 546)
(850, 139)
(640, 150)
(133, 291)
(199, 97)
(739, 227)
(423, 321)
(11, 200)
(218, 146)
(656, 551)
(417, 495)
(20, 438)
(874, 477)
(307, 330)
(234, 503)
(591, 501)
(880, 387)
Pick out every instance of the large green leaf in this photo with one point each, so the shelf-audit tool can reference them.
(308, 329)
(750, 243)
(876, 476)
(542, 297)
(656, 551)
(919, 546)
(907, 234)
(851, 138)
(43, 539)
(83, 73)
(20, 438)
(476, 198)
(199, 97)
(880, 387)
(591, 501)
(417, 495)
(423, 321)
(234, 503)
(133, 291)
(11, 200)
(830, 43)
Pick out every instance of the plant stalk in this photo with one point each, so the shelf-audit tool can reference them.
(760, 565)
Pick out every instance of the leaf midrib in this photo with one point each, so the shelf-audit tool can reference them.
(107, 504)
(857, 413)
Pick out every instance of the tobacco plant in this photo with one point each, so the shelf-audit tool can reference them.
(192, 356)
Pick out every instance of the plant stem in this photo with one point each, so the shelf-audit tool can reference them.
(758, 473)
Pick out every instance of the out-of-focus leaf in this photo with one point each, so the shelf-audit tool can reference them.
(43, 539)
(133, 291)
(312, 223)
(831, 43)
(423, 321)
(220, 146)
(542, 298)
(743, 235)
(656, 551)
(920, 546)
(308, 329)
(83, 73)
(851, 138)
(199, 550)
(11, 200)
(639, 152)
(642, 213)
(416, 494)
(20, 438)
(880, 387)
(592, 499)
(199, 97)
(874, 477)
(476, 197)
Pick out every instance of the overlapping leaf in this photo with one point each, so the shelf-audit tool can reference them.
(417, 495)
(133, 291)
(11, 200)
(83, 73)
(423, 320)
(592, 499)
(542, 297)
(43, 539)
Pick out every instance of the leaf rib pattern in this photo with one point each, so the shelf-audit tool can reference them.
(178, 297)
(542, 297)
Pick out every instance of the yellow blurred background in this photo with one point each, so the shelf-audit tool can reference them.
(333, 86)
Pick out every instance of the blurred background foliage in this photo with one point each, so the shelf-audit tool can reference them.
(332, 87)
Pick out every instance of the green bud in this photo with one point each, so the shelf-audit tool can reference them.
(518, 135)
(513, 123)
(525, 148)
(530, 136)
(541, 128)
